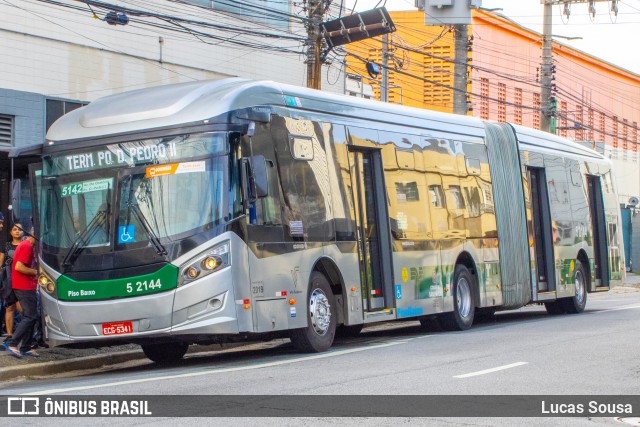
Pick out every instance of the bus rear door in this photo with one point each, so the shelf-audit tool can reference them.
(598, 230)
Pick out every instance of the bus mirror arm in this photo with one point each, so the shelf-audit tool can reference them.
(248, 184)
(14, 203)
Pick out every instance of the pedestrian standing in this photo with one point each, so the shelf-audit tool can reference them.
(6, 260)
(24, 284)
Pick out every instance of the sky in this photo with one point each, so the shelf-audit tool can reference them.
(607, 37)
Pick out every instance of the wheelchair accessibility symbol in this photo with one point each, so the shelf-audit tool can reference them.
(126, 234)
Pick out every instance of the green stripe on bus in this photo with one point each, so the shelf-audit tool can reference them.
(159, 281)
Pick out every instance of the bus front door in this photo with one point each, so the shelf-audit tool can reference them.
(373, 232)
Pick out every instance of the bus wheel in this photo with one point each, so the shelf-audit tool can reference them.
(463, 306)
(578, 302)
(318, 335)
(165, 352)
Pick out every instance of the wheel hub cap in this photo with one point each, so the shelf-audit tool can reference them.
(320, 312)
(463, 297)
(579, 287)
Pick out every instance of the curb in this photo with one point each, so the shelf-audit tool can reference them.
(76, 364)
(96, 361)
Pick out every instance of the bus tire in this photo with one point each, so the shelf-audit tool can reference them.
(349, 331)
(318, 335)
(578, 302)
(487, 314)
(461, 318)
(165, 352)
(429, 324)
(554, 308)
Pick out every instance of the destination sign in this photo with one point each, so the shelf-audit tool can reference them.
(135, 153)
(118, 156)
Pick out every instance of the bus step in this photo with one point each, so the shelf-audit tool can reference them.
(545, 296)
(602, 288)
(379, 316)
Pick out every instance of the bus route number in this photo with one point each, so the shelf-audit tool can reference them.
(71, 189)
(144, 286)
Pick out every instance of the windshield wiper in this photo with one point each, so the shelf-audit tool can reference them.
(133, 207)
(85, 236)
(153, 237)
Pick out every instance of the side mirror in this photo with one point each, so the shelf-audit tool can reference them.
(15, 199)
(260, 177)
(254, 178)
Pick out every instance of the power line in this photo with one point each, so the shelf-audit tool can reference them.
(95, 41)
(607, 114)
(181, 25)
(436, 83)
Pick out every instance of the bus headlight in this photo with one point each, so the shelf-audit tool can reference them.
(46, 283)
(211, 260)
(192, 272)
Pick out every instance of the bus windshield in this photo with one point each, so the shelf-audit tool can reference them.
(186, 200)
(139, 204)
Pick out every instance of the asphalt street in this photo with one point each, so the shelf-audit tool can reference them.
(522, 352)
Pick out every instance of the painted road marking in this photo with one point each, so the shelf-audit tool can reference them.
(631, 307)
(218, 371)
(488, 371)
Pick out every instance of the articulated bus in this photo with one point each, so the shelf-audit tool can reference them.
(230, 210)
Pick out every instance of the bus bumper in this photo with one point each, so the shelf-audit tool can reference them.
(203, 307)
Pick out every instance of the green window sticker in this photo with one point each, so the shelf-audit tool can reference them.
(76, 188)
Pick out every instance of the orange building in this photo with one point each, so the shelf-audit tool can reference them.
(597, 102)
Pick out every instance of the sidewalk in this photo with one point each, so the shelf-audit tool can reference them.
(633, 280)
(60, 360)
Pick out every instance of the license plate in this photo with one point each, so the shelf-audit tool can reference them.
(117, 328)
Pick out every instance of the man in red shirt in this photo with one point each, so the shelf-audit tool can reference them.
(25, 285)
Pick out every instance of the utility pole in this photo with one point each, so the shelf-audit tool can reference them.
(545, 69)
(547, 101)
(384, 87)
(314, 43)
(460, 83)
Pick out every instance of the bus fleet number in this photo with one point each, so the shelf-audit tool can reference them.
(143, 286)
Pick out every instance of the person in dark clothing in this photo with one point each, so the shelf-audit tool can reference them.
(24, 284)
(3, 281)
